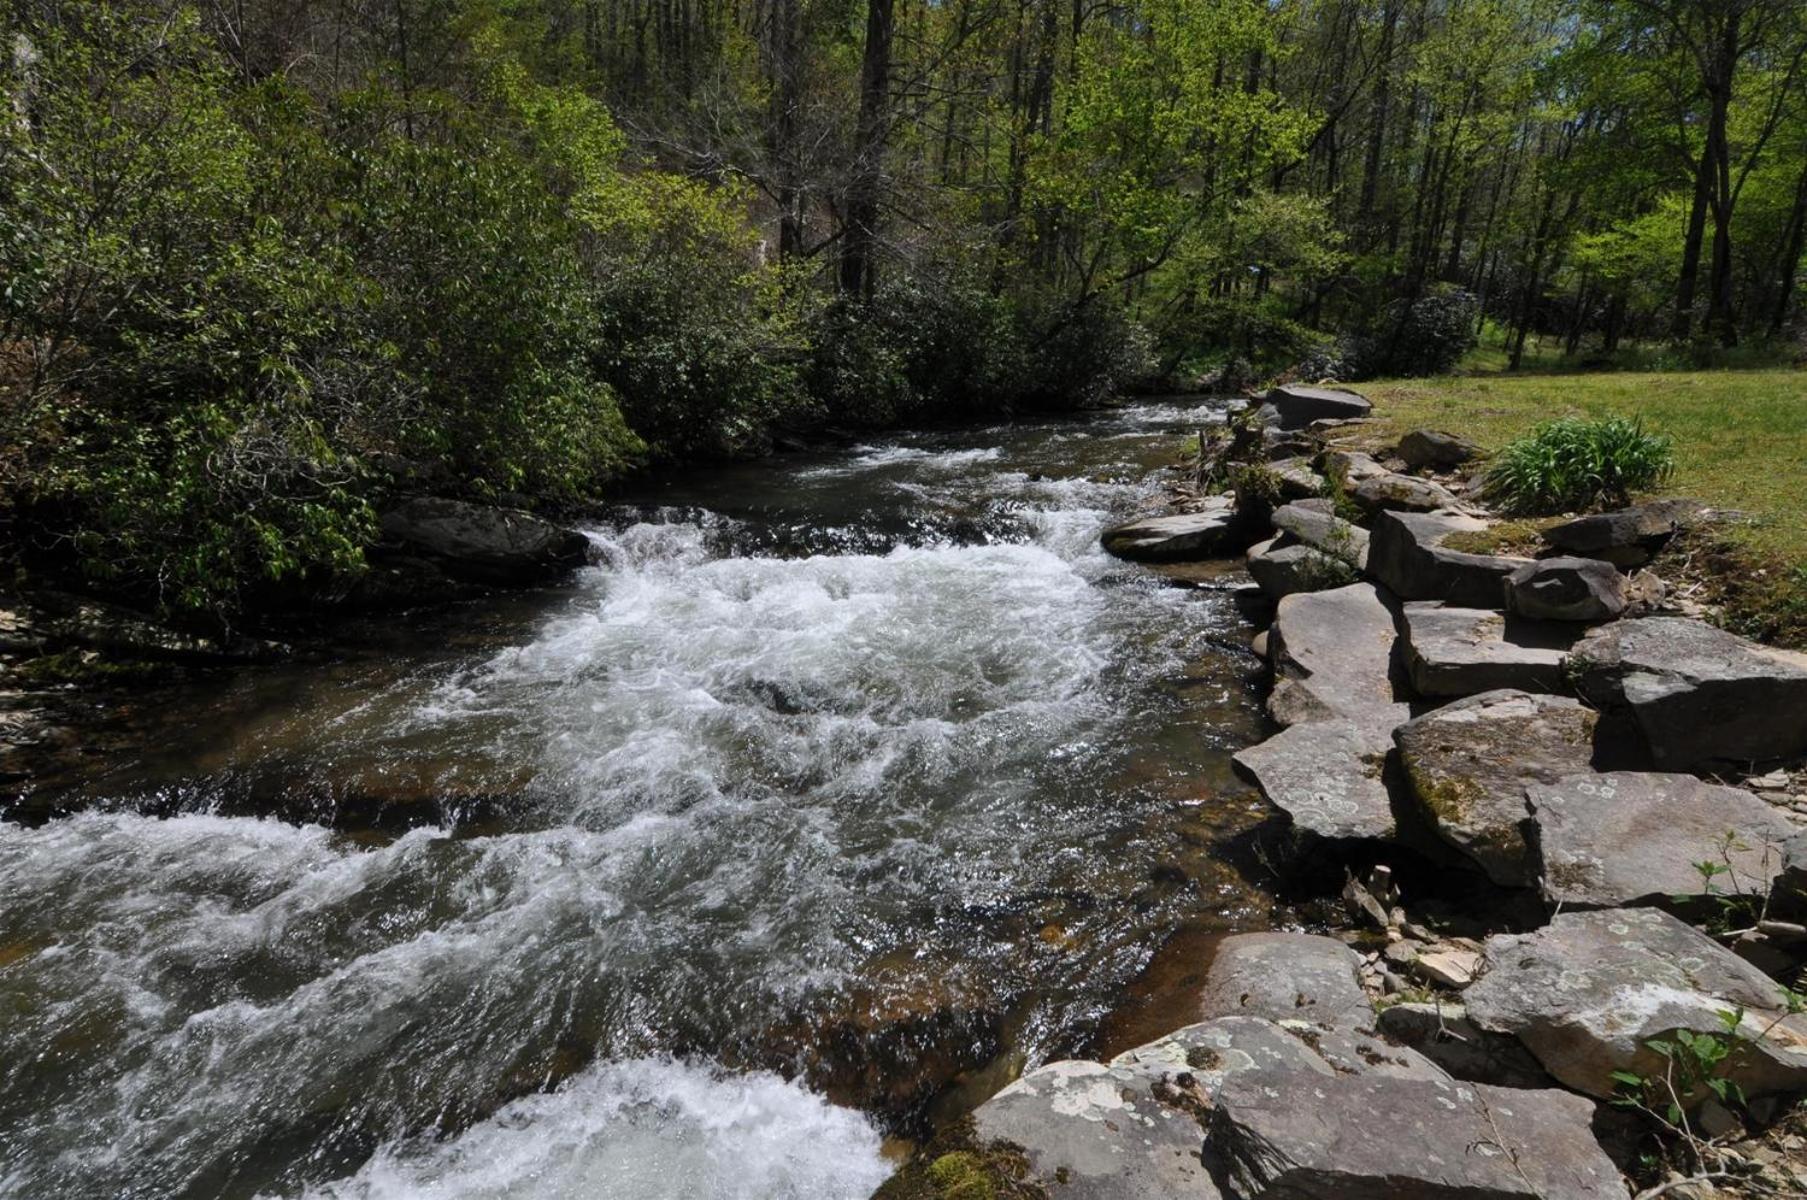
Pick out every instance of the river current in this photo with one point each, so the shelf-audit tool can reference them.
(841, 787)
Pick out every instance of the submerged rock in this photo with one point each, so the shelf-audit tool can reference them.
(1213, 530)
(1464, 651)
(1294, 406)
(1467, 765)
(1630, 838)
(1287, 976)
(1567, 589)
(1692, 695)
(1628, 537)
(1589, 992)
(482, 544)
(1327, 777)
(1408, 555)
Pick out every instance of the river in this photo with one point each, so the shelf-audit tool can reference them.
(844, 785)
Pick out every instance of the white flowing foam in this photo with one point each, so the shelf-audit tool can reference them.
(652, 1129)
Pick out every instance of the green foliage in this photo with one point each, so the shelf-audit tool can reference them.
(1427, 336)
(1573, 464)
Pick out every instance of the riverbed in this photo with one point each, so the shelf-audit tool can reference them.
(842, 786)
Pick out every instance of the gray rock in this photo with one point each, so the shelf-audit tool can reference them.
(1350, 466)
(1213, 530)
(1695, 695)
(1628, 537)
(1432, 449)
(482, 544)
(1293, 406)
(1407, 554)
(1279, 571)
(1626, 838)
(1332, 654)
(1587, 992)
(1567, 589)
(1444, 1034)
(1297, 1133)
(1325, 531)
(1390, 492)
(1326, 777)
(1297, 480)
(1286, 977)
(1465, 651)
(1789, 894)
(1467, 765)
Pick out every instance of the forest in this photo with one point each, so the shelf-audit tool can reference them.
(267, 262)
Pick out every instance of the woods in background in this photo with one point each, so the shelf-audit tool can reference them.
(266, 262)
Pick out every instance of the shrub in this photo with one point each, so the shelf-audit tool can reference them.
(1428, 336)
(1574, 464)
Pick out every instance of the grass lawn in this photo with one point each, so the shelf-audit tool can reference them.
(1740, 436)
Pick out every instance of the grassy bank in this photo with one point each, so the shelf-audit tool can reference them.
(1740, 436)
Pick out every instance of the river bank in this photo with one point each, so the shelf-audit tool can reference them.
(1571, 925)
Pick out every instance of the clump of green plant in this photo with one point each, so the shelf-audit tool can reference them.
(1575, 464)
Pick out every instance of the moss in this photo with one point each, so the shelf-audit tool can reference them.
(1521, 537)
(954, 1166)
(962, 1176)
(1449, 798)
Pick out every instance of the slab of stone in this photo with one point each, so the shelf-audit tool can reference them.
(1297, 480)
(1210, 531)
(1407, 554)
(1467, 765)
(1587, 992)
(1326, 777)
(1628, 537)
(1324, 531)
(1350, 466)
(1450, 966)
(483, 544)
(1294, 406)
(1286, 977)
(1333, 653)
(1432, 449)
(1293, 1133)
(1695, 695)
(1465, 651)
(1443, 1033)
(1281, 570)
(1567, 589)
(1626, 837)
(1407, 493)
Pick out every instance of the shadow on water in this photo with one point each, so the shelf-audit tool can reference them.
(842, 787)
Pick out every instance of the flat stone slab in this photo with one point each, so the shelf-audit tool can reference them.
(1324, 531)
(1333, 653)
(1407, 493)
(1467, 765)
(1280, 571)
(1464, 651)
(1287, 977)
(1694, 694)
(1326, 777)
(1627, 537)
(1443, 1033)
(1289, 1131)
(1294, 406)
(1587, 992)
(1626, 837)
(1297, 480)
(1211, 531)
(1406, 553)
(1436, 450)
(1568, 589)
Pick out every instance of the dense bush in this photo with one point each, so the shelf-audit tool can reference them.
(1574, 464)
(1427, 336)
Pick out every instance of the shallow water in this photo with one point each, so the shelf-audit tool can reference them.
(842, 786)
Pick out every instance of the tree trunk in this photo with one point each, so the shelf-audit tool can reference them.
(860, 233)
(1682, 324)
(1793, 244)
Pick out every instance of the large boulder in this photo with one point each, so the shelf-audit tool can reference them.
(1294, 406)
(1408, 555)
(1690, 696)
(482, 544)
(1465, 651)
(1467, 765)
(1431, 449)
(1213, 530)
(1286, 976)
(1350, 467)
(1567, 589)
(1332, 653)
(1626, 837)
(1296, 479)
(1588, 993)
(1326, 776)
(1628, 537)
(1324, 531)
(1408, 493)
(1281, 570)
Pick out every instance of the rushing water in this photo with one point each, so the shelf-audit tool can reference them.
(838, 789)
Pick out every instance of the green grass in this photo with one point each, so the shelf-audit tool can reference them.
(1740, 436)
